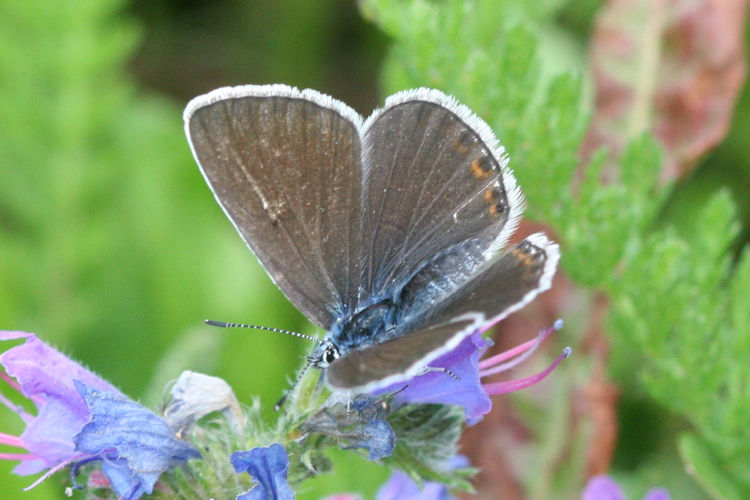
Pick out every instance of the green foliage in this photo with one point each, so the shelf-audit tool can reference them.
(679, 301)
(310, 429)
(111, 247)
(696, 339)
(426, 441)
(601, 220)
(111, 243)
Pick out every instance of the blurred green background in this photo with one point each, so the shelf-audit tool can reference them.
(112, 247)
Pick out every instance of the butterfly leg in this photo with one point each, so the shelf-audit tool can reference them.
(428, 369)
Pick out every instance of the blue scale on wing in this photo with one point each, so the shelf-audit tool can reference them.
(433, 282)
(437, 280)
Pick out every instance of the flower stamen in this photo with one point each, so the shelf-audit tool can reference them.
(521, 352)
(11, 440)
(47, 474)
(17, 456)
(522, 383)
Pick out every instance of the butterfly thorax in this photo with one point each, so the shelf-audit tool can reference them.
(365, 327)
(390, 317)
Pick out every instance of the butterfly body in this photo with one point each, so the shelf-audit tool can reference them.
(410, 303)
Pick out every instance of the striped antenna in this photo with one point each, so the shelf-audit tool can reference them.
(224, 324)
(297, 380)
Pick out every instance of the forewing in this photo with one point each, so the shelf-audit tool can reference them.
(387, 363)
(285, 167)
(434, 176)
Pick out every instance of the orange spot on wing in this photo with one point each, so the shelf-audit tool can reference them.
(477, 170)
(492, 197)
(460, 147)
(530, 260)
(489, 197)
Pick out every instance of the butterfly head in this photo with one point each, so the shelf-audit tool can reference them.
(326, 353)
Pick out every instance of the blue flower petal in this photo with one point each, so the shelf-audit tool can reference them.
(359, 423)
(439, 388)
(268, 466)
(135, 445)
(377, 437)
(125, 483)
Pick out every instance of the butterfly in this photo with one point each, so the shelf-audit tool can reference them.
(387, 232)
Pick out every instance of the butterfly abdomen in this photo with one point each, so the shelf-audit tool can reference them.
(439, 278)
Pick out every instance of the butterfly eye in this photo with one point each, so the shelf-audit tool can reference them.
(330, 354)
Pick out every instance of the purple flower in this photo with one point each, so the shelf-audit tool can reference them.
(464, 364)
(268, 467)
(134, 444)
(402, 487)
(45, 376)
(605, 488)
(81, 418)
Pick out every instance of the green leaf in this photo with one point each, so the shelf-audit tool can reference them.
(426, 441)
(706, 468)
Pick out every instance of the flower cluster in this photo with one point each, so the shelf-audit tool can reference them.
(83, 423)
(80, 419)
